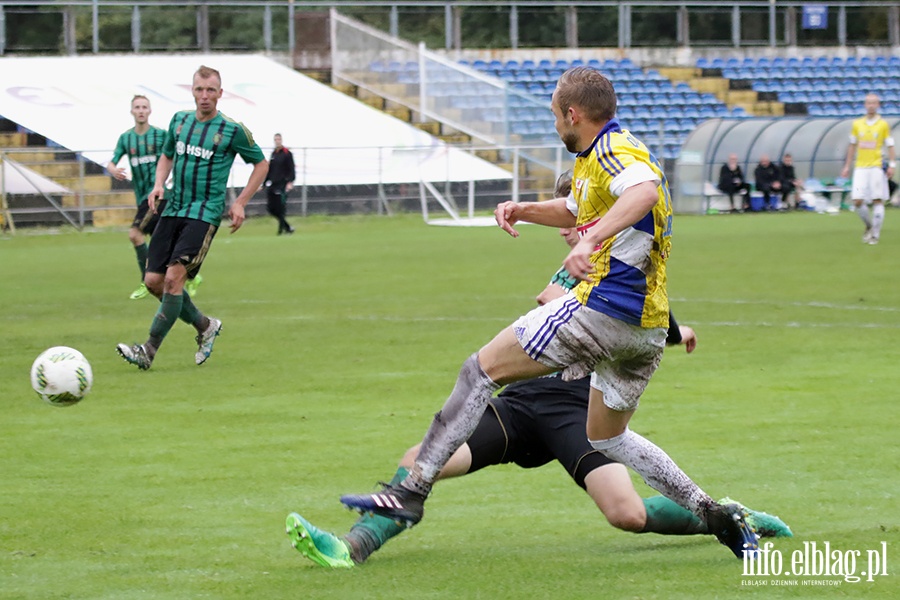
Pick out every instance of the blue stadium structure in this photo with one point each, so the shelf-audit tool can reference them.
(651, 105)
(823, 86)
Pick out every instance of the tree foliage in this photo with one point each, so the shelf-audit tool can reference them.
(240, 27)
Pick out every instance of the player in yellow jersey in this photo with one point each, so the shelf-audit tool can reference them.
(612, 327)
(868, 138)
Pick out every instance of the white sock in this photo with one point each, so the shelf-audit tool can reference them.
(877, 219)
(656, 468)
(863, 211)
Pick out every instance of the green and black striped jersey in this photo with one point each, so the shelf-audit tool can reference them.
(202, 154)
(142, 150)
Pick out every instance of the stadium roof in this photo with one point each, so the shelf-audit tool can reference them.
(82, 104)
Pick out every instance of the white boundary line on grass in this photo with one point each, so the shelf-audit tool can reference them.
(828, 305)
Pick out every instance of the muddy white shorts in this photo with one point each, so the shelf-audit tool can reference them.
(566, 335)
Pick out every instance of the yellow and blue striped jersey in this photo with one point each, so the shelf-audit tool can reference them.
(870, 139)
(629, 282)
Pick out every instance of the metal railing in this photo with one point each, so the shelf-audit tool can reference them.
(63, 188)
(93, 26)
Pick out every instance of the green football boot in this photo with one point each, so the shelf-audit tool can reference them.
(139, 293)
(321, 547)
(191, 285)
(766, 525)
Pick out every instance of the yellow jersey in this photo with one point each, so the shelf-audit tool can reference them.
(629, 279)
(870, 140)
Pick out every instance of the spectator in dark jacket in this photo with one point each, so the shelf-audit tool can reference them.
(790, 185)
(279, 182)
(731, 182)
(768, 181)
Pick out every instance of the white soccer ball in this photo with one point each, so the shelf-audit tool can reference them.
(61, 376)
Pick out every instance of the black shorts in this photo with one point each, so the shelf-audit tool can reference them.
(535, 422)
(179, 240)
(146, 221)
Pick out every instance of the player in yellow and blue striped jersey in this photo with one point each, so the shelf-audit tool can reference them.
(612, 328)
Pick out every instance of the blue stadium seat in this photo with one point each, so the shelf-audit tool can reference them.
(823, 61)
(686, 125)
(528, 64)
(693, 98)
(671, 151)
(522, 76)
(829, 96)
(815, 110)
(703, 63)
(779, 62)
(561, 64)
(595, 64)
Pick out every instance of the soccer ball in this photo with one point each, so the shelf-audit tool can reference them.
(61, 376)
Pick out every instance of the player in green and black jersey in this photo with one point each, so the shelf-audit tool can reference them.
(198, 152)
(142, 144)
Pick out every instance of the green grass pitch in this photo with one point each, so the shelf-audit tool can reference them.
(341, 341)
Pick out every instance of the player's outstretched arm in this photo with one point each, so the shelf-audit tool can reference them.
(552, 213)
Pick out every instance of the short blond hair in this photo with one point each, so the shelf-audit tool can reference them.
(206, 72)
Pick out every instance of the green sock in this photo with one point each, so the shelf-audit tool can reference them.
(668, 518)
(369, 534)
(190, 313)
(141, 252)
(166, 315)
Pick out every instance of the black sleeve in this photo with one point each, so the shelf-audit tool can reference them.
(673, 336)
(292, 173)
(724, 178)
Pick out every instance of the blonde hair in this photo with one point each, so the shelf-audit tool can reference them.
(589, 90)
(206, 72)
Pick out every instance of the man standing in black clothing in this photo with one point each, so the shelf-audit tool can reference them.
(731, 181)
(768, 181)
(279, 182)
